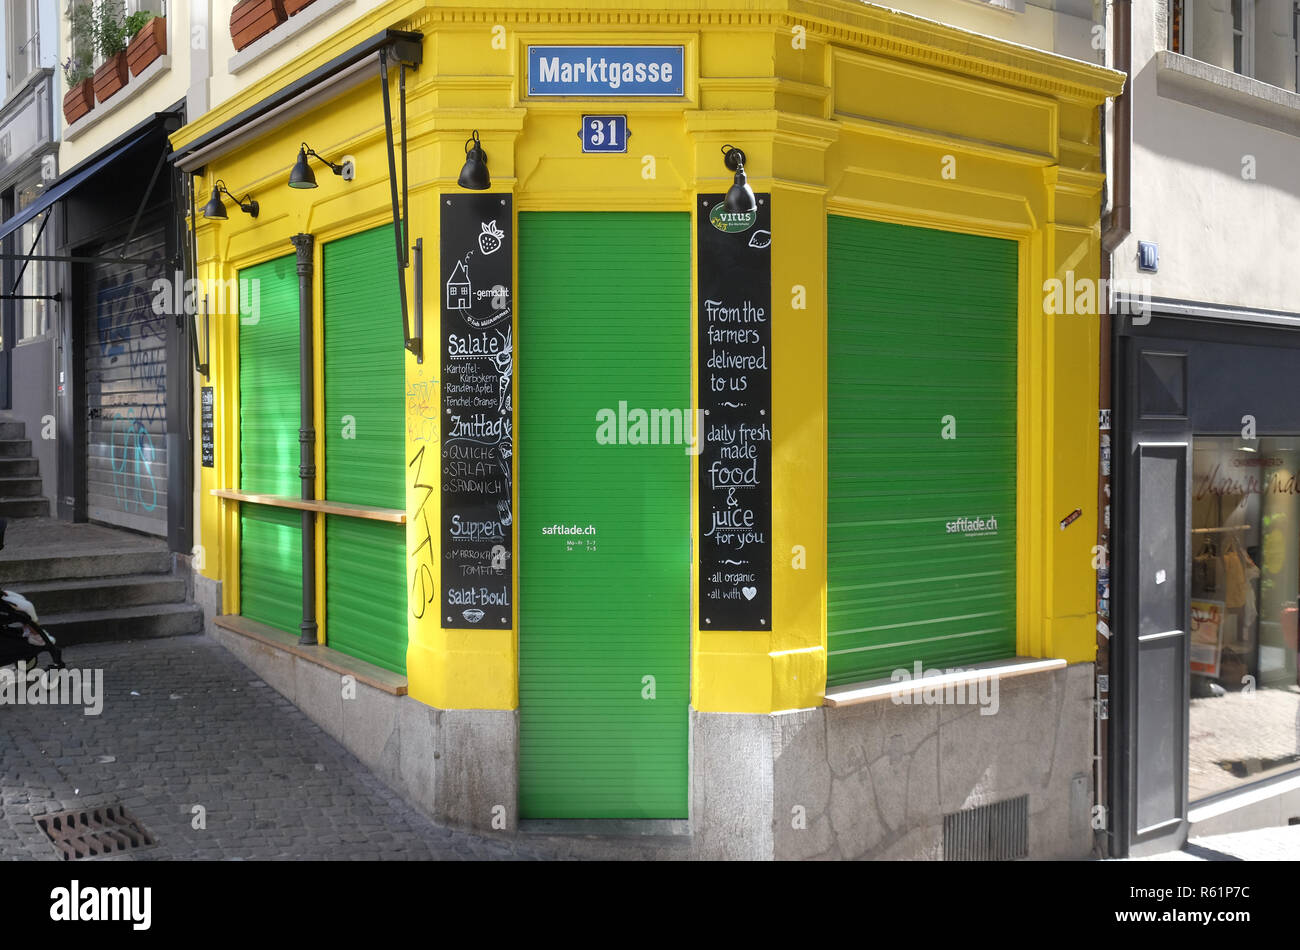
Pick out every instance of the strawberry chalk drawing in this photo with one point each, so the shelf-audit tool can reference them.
(489, 240)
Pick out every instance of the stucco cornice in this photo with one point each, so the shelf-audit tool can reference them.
(848, 23)
(893, 33)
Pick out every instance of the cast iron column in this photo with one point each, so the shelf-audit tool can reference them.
(306, 436)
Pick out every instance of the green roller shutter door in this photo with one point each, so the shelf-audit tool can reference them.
(365, 565)
(922, 325)
(605, 317)
(270, 557)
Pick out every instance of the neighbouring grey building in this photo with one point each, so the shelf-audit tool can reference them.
(28, 303)
(1204, 699)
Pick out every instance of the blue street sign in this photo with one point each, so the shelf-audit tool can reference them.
(609, 71)
(604, 133)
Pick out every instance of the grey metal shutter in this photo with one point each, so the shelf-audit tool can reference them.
(125, 346)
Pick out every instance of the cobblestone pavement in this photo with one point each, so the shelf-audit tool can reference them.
(1263, 844)
(1242, 737)
(183, 724)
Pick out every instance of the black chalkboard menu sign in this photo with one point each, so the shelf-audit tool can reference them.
(206, 428)
(477, 257)
(735, 393)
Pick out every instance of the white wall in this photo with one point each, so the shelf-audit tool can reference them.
(1222, 239)
(1058, 26)
(141, 102)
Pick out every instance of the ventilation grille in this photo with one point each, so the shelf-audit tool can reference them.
(996, 832)
(94, 832)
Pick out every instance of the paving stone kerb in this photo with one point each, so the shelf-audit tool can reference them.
(185, 724)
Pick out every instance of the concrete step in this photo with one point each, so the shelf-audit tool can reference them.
(99, 564)
(19, 486)
(124, 623)
(13, 430)
(15, 448)
(13, 468)
(24, 507)
(104, 593)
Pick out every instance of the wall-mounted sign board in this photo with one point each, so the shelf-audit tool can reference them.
(735, 392)
(477, 408)
(604, 133)
(207, 427)
(606, 71)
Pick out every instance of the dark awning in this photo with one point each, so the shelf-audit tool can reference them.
(61, 187)
(345, 71)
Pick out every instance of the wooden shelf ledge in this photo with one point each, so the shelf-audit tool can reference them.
(391, 515)
(874, 690)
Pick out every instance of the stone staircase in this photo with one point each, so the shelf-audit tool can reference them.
(91, 583)
(20, 483)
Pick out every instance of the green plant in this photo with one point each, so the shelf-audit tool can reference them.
(81, 33)
(110, 28)
(76, 70)
(136, 22)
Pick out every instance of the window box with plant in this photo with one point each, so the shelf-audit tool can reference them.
(78, 67)
(110, 44)
(148, 33)
(252, 19)
(80, 97)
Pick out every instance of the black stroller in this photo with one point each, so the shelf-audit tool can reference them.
(22, 638)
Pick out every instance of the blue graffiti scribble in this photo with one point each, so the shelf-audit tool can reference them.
(133, 478)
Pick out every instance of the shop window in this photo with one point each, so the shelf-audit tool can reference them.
(1245, 694)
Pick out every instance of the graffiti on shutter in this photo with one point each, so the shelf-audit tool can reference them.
(126, 388)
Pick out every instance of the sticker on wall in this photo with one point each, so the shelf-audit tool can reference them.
(1071, 518)
(207, 427)
(735, 394)
(477, 258)
(734, 222)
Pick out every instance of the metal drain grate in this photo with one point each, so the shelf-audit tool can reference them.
(94, 832)
(996, 832)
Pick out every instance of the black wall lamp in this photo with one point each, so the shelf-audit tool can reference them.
(216, 210)
(303, 177)
(740, 197)
(474, 175)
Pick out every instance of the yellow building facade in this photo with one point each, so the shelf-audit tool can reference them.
(843, 110)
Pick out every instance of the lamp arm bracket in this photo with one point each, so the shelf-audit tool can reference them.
(412, 343)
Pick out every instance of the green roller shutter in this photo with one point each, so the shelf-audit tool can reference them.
(365, 566)
(605, 317)
(922, 325)
(270, 559)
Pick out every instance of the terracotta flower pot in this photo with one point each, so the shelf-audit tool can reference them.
(293, 6)
(148, 45)
(253, 19)
(111, 77)
(79, 100)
